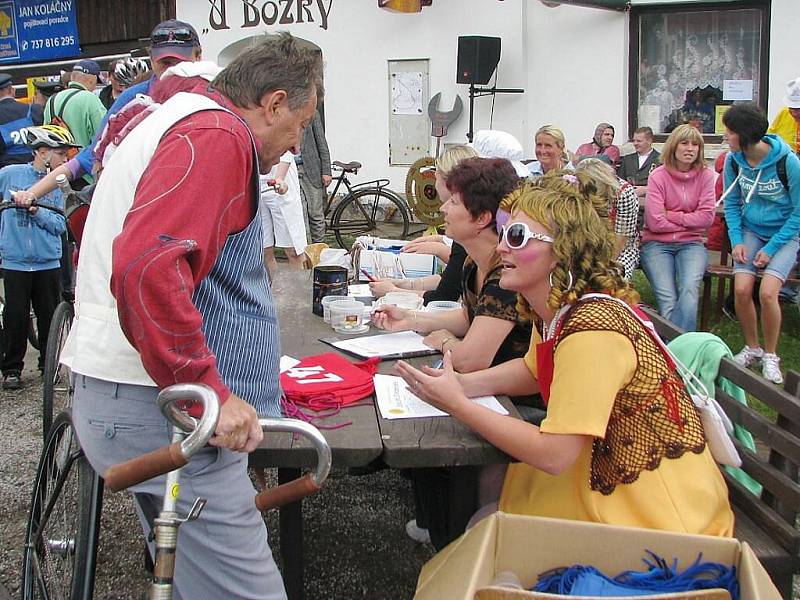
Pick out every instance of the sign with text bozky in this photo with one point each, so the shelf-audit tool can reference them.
(33, 30)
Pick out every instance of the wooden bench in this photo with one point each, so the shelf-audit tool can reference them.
(768, 523)
(722, 271)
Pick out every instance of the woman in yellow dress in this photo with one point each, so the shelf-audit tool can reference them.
(621, 442)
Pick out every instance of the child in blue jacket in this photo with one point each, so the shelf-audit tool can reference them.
(762, 211)
(30, 246)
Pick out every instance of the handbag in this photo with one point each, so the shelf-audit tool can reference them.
(716, 424)
(717, 427)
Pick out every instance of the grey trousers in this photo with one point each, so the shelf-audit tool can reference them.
(224, 553)
(314, 206)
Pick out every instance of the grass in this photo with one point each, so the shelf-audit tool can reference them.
(731, 333)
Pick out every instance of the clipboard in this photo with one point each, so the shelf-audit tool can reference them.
(336, 342)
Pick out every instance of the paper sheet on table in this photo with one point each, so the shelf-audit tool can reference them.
(359, 289)
(287, 362)
(399, 344)
(396, 401)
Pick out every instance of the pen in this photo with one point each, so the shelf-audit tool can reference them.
(367, 275)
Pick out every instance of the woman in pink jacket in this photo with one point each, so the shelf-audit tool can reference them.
(677, 215)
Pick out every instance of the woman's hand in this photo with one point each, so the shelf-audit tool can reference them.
(761, 260)
(382, 287)
(739, 253)
(437, 339)
(393, 318)
(440, 389)
(422, 247)
(423, 239)
(437, 249)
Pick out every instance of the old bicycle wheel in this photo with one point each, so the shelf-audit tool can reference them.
(63, 524)
(56, 392)
(370, 211)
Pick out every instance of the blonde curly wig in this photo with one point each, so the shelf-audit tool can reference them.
(583, 241)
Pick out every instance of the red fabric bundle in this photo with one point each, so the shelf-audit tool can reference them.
(328, 380)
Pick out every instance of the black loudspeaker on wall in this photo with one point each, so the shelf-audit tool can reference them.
(477, 58)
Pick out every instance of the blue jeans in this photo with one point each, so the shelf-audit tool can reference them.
(675, 271)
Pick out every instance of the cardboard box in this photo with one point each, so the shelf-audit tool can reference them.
(382, 261)
(528, 546)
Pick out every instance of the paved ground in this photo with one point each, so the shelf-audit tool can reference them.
(355, 544)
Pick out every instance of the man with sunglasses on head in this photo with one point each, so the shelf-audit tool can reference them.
(172, 289)
(171, 42)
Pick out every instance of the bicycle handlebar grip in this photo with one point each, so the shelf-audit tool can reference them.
(144, 467)
(286, 493)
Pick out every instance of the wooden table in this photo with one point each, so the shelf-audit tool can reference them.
(400, 443)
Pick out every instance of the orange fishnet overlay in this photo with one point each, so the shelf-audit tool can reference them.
(653, 416)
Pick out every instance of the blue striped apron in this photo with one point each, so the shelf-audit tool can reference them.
(240, 321)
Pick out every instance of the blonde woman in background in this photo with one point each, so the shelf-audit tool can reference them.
(551, 151)
(623, 209)
(677, 215)
(446, 286)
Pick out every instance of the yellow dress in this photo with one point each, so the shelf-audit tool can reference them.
(686, 494)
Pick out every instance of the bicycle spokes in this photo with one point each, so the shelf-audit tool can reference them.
(370, 211)
(53, 543)
(62, 526)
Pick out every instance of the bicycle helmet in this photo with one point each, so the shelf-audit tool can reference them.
(51, 136)
(128, 69)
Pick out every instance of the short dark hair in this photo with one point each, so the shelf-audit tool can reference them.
(482, 183)
(645, 130)
(748, 121)
(274, 62)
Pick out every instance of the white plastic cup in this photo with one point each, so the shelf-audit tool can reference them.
(442, 305)
(347, 316)
(326, 301)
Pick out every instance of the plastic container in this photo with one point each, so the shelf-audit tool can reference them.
(442, 305)
(326, 302)
(407, 300)
(347, 316)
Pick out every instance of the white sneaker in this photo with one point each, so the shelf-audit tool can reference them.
(771, 368)
(418, 534)
(748, 356)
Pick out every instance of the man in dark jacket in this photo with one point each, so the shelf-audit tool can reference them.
(635, 168)
(15, 117)
(314, 168)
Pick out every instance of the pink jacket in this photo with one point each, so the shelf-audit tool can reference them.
(679, 206)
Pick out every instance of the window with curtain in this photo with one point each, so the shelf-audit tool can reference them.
(694, 63)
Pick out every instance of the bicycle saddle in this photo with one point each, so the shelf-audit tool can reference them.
(351, 167)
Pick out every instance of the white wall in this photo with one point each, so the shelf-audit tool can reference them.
(571, 61)
(577, 71)
(784, 60)
(359, 41)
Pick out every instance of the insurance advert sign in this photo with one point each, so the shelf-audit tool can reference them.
(32, 30)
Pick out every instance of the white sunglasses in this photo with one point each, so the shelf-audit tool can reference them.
(517, 236)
